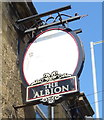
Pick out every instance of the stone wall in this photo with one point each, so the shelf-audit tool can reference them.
(13, 92)
(0, 59)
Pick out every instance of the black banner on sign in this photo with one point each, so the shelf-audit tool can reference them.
(52, 91)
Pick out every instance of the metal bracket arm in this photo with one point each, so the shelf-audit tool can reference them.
(23, 105)
(38, 16)
(55, 23)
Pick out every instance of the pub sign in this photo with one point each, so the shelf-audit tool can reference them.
(51, 65)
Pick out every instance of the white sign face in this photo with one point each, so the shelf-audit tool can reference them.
(52, 50)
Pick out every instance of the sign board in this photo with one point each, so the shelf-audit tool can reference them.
(54, 49)
(51, 92)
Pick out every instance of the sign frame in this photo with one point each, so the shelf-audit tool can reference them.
(81, 58)
(52, 98)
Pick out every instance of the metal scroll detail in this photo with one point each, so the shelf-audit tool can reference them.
(50, 77)
(51, 99)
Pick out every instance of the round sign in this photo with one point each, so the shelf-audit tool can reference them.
(54, 49)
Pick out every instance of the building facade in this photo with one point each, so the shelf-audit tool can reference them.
(13, 91)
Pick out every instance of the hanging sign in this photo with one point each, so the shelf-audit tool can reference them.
(54, 49)
(53, 91)
(51, 66)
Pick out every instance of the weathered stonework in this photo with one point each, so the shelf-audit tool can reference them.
(13, 92)
(0, 59)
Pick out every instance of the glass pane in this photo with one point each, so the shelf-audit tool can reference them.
(44, 109)
(38, 116)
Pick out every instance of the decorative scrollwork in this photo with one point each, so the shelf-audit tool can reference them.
(51, 77)
(44, 22)
(51, 99)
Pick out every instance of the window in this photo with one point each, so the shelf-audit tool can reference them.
(38, 116)
(42, 112)
(44, 109)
